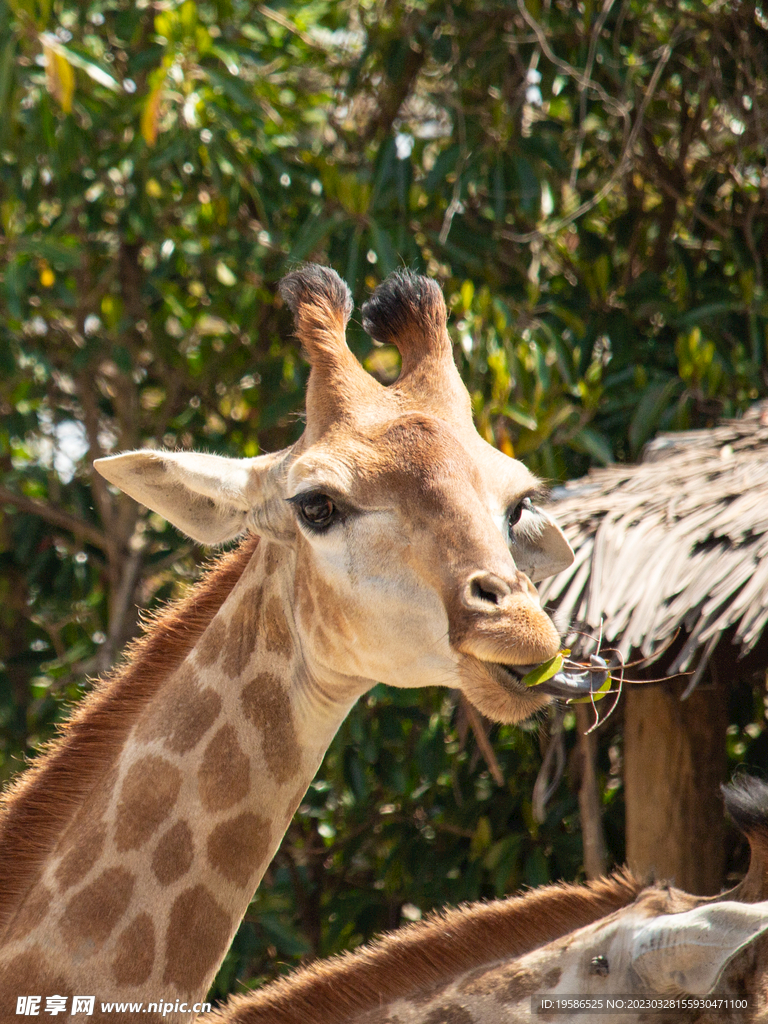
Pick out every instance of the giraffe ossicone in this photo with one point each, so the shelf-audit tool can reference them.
(390, 544)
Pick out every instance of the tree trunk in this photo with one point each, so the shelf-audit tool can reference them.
(590, 806)
(674, 763)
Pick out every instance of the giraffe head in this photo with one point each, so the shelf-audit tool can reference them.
(411, 544)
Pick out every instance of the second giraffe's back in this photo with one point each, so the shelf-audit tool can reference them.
(494, 963)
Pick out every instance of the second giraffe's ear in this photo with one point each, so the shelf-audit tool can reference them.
(689, 951)
(210, 498)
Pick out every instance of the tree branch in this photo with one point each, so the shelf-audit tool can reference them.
(621, 167)
(283, 22)
(392, 99)
(91, 423)
(57, 517)
(486, 749)
(584, 82)
(598, 28)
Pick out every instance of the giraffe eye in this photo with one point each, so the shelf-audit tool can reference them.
(317, 510)
(517, 510)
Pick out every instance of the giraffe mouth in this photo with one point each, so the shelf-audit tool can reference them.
(572, 681)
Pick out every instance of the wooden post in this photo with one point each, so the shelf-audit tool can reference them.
(674, 763)
(590, 807)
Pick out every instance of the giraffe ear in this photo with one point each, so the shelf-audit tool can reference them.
(688, 952)
(210, 498)
(538, 546)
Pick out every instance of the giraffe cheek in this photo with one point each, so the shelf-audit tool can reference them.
(305, 606)
(325, 644)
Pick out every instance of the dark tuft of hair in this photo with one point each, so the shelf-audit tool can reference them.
(404, 301)
(746, 801)
(314, 284)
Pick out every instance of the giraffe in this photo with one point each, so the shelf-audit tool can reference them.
(486, 962)
(389, 544)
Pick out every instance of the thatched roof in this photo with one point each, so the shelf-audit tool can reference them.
(678, 542)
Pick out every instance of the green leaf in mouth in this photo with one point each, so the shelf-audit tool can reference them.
(594, 695)
(546, 670)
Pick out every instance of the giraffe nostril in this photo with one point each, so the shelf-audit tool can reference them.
(486, 590)
(477, 590)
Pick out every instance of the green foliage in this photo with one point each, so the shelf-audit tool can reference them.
(589, 187)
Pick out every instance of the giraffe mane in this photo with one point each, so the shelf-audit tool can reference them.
(428, 954)
(43, 800)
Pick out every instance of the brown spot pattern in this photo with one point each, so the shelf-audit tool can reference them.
(304, 601)
(429, 993)
(481, 981)
(173, 854)
(238, 846)
(449, 1014)
(325, 598)
(182, 714)
(224, 776)
(379, 1017)
(517, 983)
(211, 642)
(276, 635)
(82, 854)
(148, 796)
(508, 983)
(92, 914)
(135, 952)
(271, 558)
(32, 912)
(322, 637)
(29, 974)
(243, 632)
(77, 763)
(267, 707)
(552, 977)
(197, 938)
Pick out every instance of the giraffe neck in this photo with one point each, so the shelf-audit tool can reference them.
(142, 894)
